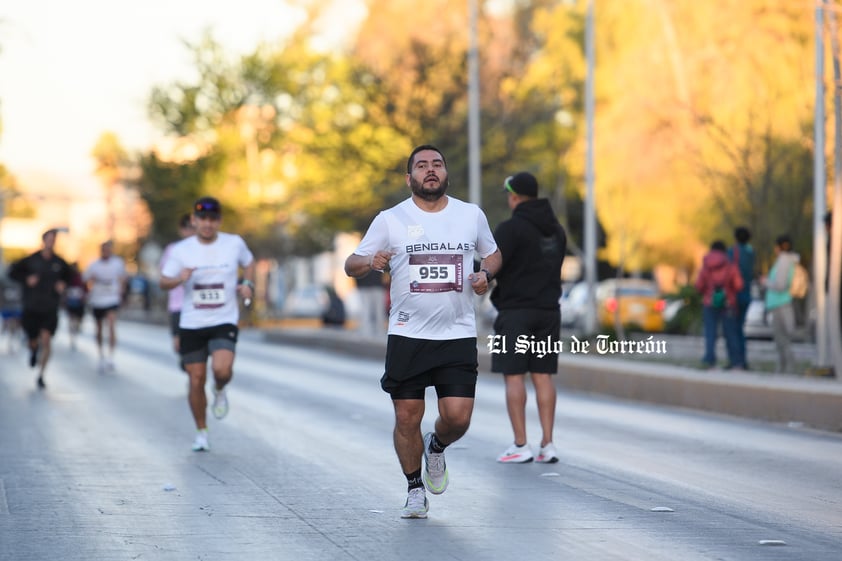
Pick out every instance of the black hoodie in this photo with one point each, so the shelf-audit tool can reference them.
(532, 244)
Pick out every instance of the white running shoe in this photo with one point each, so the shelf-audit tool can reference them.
(416, 504)
(201, 443)
(516, 455)
(435, 468)
(547, 455)
(220, 403)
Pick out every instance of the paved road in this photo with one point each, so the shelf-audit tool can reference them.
(303, 469)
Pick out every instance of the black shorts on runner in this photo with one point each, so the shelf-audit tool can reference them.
(75, 311)
(33, 322)
(530, 339)
(100, 313)
(412, 365)
(197, 345)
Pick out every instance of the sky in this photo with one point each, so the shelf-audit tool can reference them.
(70, 71)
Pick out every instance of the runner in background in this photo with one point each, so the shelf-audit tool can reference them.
(106, 279)
(43, 276)
(207, 265)
(74, 304)
(175, 298)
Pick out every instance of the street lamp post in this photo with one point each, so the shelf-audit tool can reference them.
(474, 169)
(590, 202)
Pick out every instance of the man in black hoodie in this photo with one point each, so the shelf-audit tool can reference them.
(528, 325)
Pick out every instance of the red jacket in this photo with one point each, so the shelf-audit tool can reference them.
(718, 270)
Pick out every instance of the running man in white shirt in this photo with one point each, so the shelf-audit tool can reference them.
(207, 265)
(429, 242)
(106, 279)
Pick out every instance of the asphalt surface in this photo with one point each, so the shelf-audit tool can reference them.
(811, 401)
(98, 467)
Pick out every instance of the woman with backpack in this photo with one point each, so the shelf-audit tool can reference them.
(718, 282)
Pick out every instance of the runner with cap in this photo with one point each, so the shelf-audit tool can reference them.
(207, 265)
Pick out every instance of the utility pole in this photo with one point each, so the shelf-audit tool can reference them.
(474, 169)
(590, 201)
(834, 266)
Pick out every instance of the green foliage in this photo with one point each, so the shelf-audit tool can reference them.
(700, 126)
(170, 189)
(688, 319)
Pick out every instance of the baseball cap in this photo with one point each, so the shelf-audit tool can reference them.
(207, 207)
(522, 183)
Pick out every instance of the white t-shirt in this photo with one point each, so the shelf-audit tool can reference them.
(106, 280)
(431, 294)
(210, 296)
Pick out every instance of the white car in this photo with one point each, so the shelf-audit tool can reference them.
(758, 324)
(573, 302)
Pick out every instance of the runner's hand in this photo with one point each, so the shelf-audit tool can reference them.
(479, 282)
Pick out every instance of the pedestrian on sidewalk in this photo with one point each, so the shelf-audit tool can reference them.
(718, 282)
(106, 281)
(43, 276)
(742, 255)
(779, 301)
(532, 245)
(175, 297)
(429, 242)
(208, 266)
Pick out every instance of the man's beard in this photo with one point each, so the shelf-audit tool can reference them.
(427, 194)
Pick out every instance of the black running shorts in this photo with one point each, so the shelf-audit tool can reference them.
(412, 365)
(196, 345)
(531, 341)
(100, 313)
(33, 322)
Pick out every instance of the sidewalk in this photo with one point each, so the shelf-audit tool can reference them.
(799, 401)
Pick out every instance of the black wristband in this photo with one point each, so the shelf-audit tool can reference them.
(488, 275)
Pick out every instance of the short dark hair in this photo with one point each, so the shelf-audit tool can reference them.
(421, 148)
(784, 242)
(742, 234)
(718, 245)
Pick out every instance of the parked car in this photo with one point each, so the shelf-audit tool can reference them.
(573, 302)
(758, 324)
(632, 301)
(315, 302)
